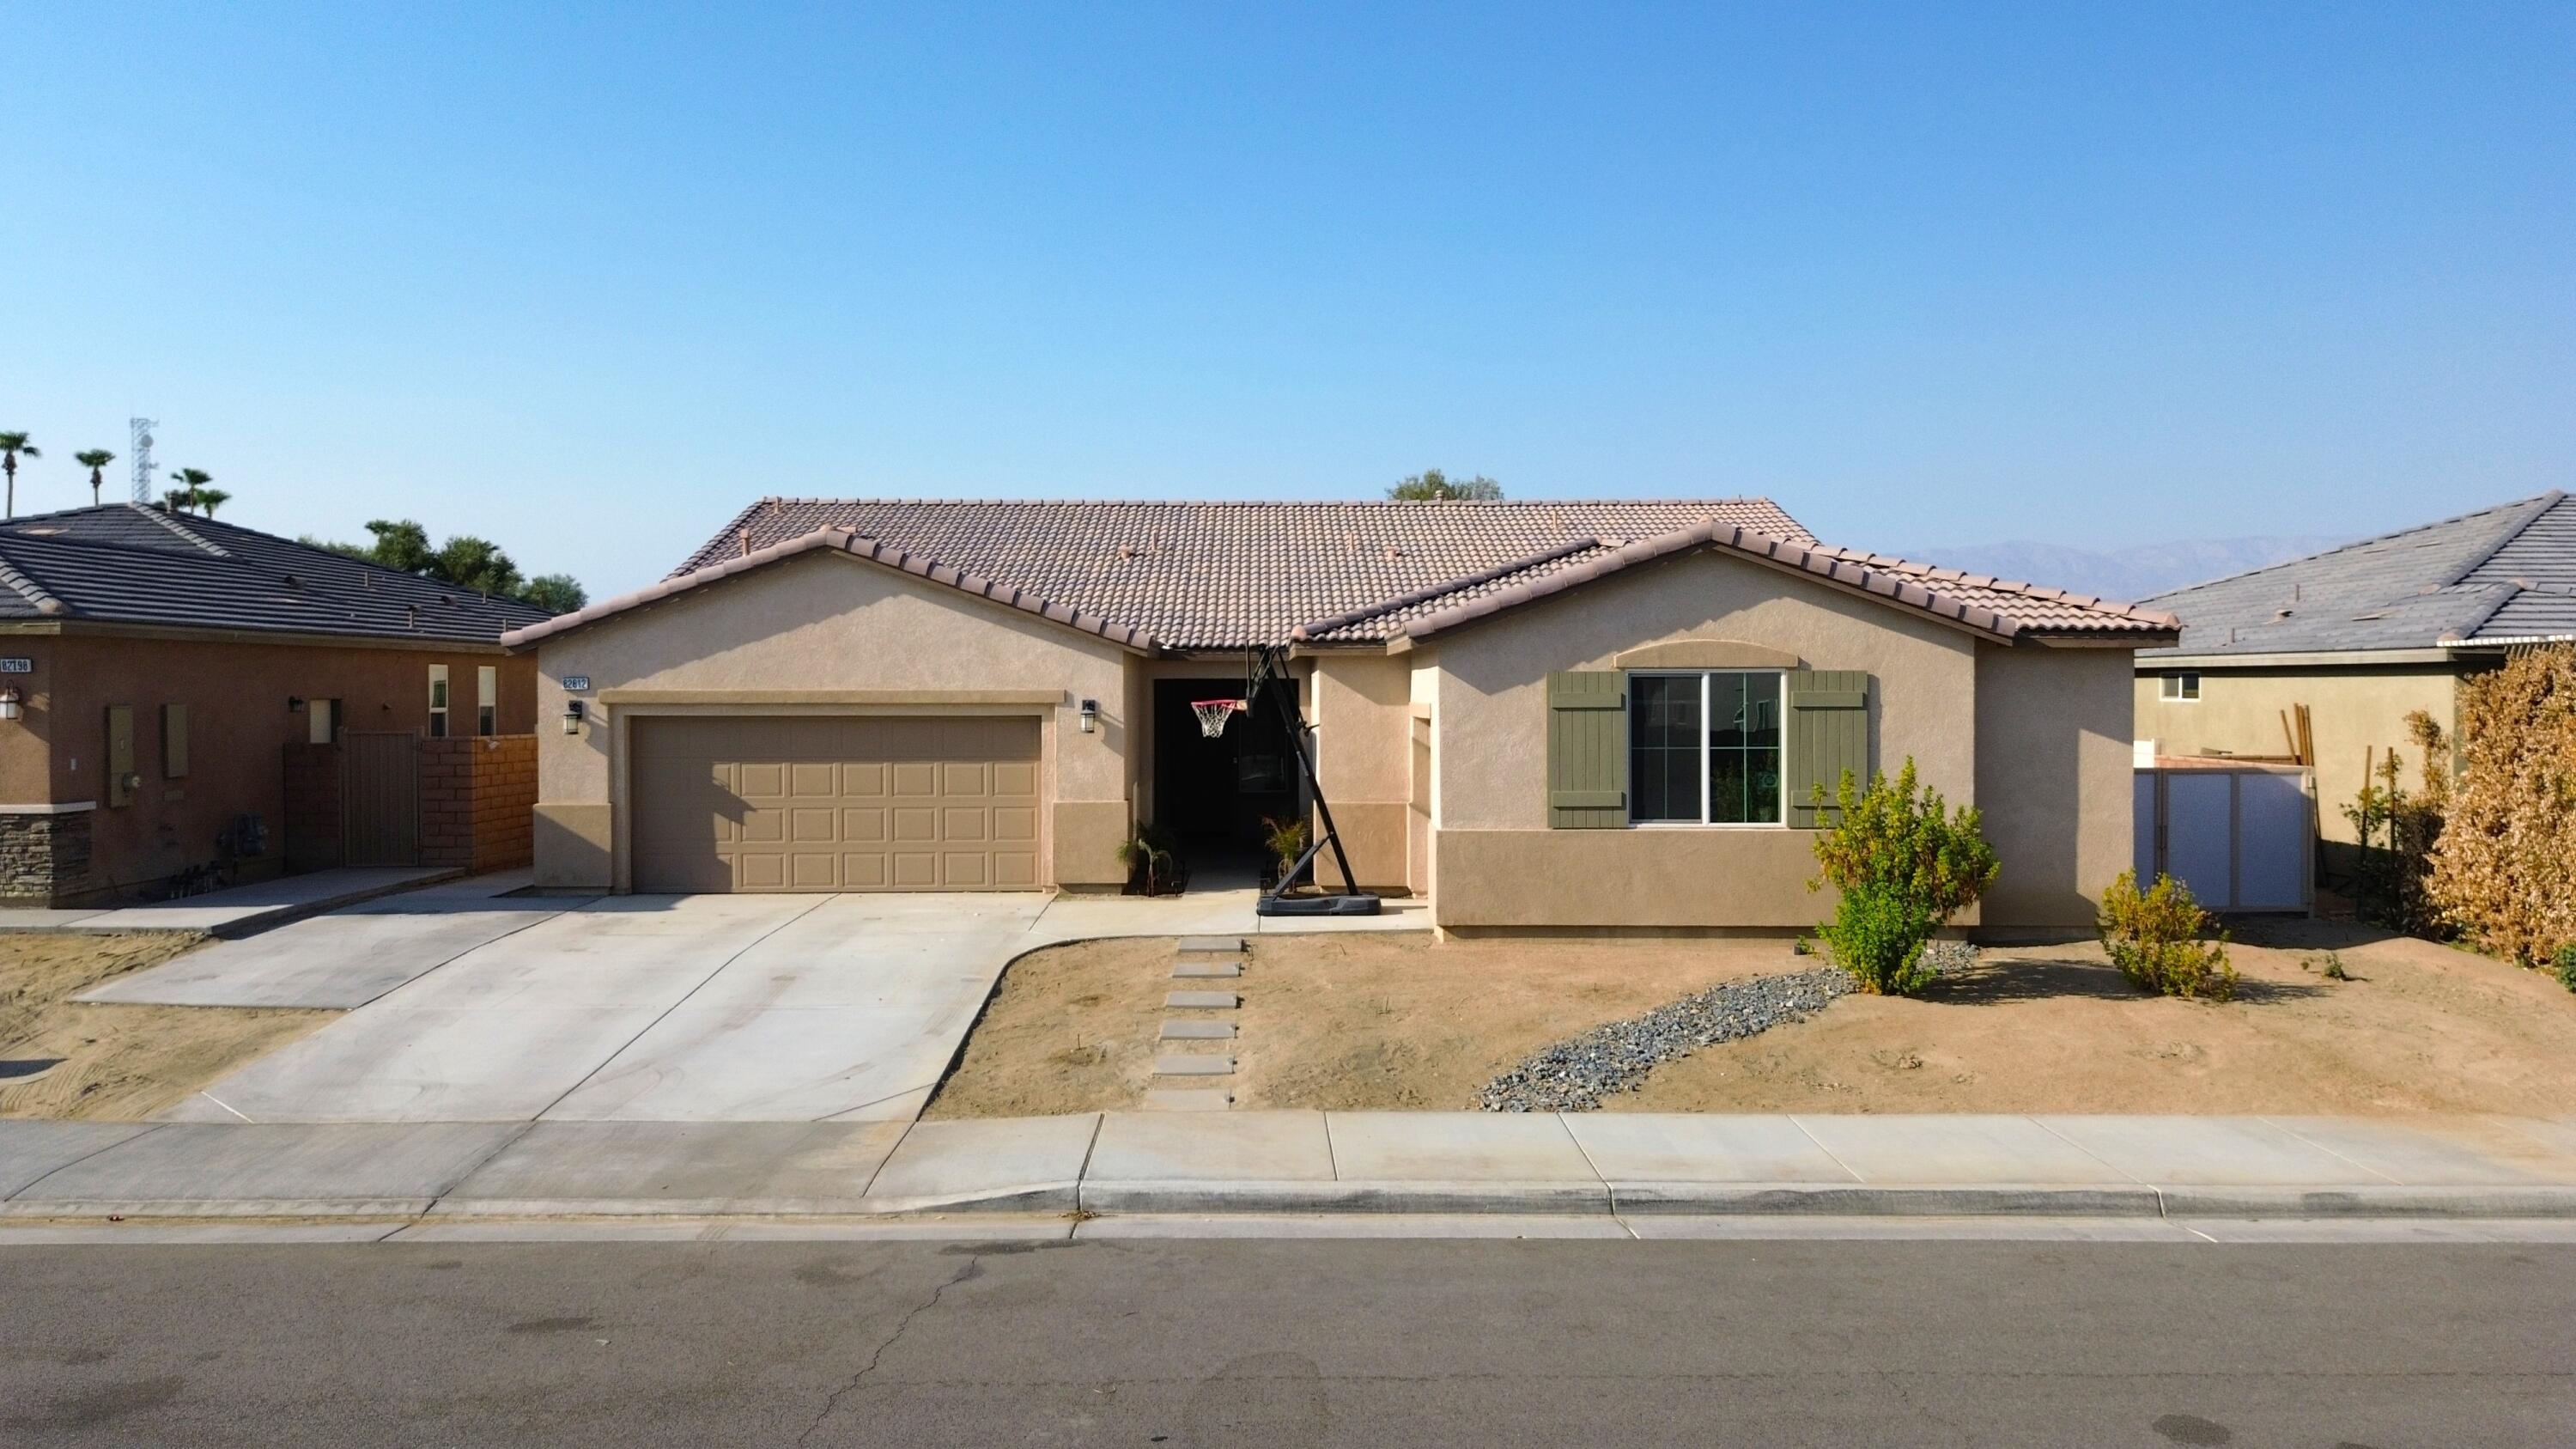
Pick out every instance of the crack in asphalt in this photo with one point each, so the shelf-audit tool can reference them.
(973, 1268)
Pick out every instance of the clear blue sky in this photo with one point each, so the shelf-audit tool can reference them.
(587, 281)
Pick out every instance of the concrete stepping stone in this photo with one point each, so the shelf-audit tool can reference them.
(1210, 945)
(1194, 1066)
(1198, 1031)
(1189, 970)
(1184, 1099)
(1201, 1000)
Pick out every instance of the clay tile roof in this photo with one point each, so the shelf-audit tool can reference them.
(131, 564)
(2501, 575)
(1214, 576)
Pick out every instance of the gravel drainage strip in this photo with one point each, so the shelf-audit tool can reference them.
(1575, 1074)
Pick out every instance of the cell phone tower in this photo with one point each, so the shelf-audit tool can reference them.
(139, 435)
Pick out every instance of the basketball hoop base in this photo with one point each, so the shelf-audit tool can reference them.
(1316, 906)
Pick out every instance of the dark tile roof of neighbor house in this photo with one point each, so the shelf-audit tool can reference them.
(1209, 576)
(127, 563)
(2501, 575)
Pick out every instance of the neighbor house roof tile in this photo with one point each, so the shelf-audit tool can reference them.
(131, 564)
(2498, 575)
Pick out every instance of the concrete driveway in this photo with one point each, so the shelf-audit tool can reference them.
(632, 1008)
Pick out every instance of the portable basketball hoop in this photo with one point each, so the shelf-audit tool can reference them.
(1214, 714)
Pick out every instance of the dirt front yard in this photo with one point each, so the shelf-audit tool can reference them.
(114, 1062)
(1364, 1021)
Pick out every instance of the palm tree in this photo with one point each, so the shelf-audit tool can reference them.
(192, 484)
(12, 445)
(210, 499)
(96, 461)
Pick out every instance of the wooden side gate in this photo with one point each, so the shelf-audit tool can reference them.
(380, 798)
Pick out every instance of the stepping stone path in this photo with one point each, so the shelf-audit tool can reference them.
(1197, 958)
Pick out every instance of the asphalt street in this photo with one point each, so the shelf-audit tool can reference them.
(1290, 1343)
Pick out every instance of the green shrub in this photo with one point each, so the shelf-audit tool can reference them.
(1904, 863)
(1286, 842)
(2155, 938)
(2563, 965)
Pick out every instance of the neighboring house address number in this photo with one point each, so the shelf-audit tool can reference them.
(17, 666)
(576, 683)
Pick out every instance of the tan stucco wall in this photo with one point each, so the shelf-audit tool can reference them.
(831, 623)
(1362, 715)
(2350, 709)
(1495, 860)
(2054, 779)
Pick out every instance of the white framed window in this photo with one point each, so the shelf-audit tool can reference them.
(2180, 687)
(487, 699)
(1705, 746)
(438, 701)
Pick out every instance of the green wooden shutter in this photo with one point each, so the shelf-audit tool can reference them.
(1587, 750)
(1828, 734)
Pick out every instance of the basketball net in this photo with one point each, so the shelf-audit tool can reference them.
(1214, 714)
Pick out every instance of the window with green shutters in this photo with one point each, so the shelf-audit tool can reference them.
(1694, 747)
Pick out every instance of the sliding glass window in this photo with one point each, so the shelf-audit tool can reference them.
(1704, 747)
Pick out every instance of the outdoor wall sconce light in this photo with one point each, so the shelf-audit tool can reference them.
(295, 704)
(12, 703)
(1089, 715)
(572, 716)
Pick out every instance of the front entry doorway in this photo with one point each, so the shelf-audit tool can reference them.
(1212, 795)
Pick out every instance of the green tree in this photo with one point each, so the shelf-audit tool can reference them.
(1433, 486)
(96, 461)
(192, 485)
(210, 499)
(463, 560)
(14, 446)
(555, 593)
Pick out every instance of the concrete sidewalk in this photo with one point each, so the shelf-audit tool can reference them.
(1252, 1164)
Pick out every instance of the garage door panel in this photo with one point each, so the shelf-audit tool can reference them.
(820, 803)
(762, 781)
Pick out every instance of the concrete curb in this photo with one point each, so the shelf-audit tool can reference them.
(1836, 1199)
(209, 1207)
(1183, 1196)
(2536, 1201)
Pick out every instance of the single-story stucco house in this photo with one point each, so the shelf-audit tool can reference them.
(2360, 637)
(1546, 716)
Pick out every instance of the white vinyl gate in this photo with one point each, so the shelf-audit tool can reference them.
(2243, 837)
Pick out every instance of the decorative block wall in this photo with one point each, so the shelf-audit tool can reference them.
(478, 798)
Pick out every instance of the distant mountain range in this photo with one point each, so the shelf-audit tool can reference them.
(2128, 574)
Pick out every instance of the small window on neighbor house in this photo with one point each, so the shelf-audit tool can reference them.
(487, 699)
(438, 701)
(321, 721)
(2182, 686)
(1704, 748)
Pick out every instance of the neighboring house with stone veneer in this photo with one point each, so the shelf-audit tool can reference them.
(172, 673)
(2363, 636)
(1546, 716)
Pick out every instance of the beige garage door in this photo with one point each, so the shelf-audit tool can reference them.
(803, 803)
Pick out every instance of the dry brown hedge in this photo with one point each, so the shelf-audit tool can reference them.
(2504, 871)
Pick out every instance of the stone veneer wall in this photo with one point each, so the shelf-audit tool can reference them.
(478, 798)
(43, 858)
